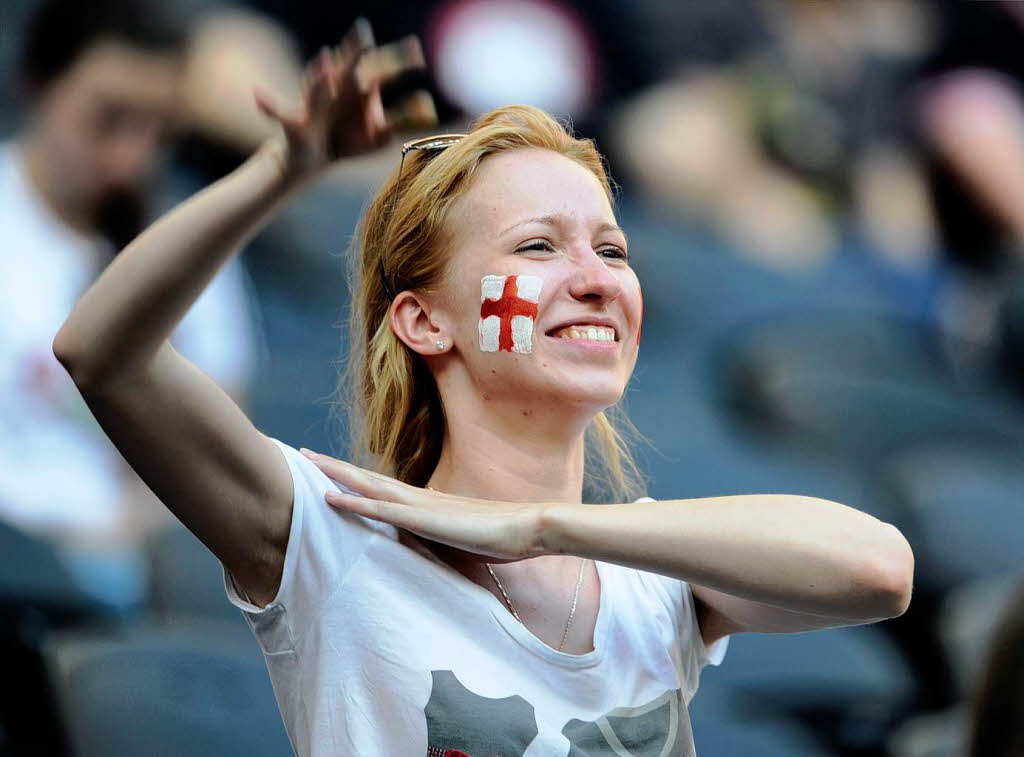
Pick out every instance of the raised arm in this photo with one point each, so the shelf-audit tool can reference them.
(180, 432)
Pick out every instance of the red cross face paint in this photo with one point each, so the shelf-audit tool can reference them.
(508, 309)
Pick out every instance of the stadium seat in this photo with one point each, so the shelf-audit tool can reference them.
(186, 580)
(37, 593)
(939, 734)
(159, 692)
(854, 678)
(967, 500)
(724, 719)
(967, 620)
(868, 415)
(778, 738)
(32, 574)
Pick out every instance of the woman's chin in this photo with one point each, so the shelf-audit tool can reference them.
(557, 388)
(588, 396)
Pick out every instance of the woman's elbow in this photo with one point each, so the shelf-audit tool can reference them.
(83, 371)
(893, 575)
(67, 355)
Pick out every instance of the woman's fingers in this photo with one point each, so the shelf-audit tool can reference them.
(328, 72)
(498, 530)
(413, 112)
(266, 103)
(505, 530)
(377, 66)
(358, 38)
(389, 512)
(343, 58)
(375, 125)
(367, 483)
(322, 86)
(341, 112)
(270, 107)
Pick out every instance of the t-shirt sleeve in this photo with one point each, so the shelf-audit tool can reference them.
(323, 545)
(678, 599)
(705, 655)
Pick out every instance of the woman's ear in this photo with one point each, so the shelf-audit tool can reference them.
(418, 324)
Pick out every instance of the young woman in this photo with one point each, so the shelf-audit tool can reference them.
(463, 600)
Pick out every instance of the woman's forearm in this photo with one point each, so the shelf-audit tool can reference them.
(131, 309)
(800, 553)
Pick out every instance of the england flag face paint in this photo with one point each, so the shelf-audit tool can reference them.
(508, 310)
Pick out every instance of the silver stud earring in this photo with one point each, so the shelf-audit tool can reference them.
(440, 344)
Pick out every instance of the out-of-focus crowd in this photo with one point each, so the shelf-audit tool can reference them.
(825, 206)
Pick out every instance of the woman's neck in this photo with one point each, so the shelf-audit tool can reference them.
(504, 442)
(482, 462)
(487, 459)
(508, 454)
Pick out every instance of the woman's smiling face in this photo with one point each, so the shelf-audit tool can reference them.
(531, 212)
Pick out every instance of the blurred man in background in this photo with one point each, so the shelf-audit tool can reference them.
(101, 84)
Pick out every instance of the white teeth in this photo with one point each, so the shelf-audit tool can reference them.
(591, 333)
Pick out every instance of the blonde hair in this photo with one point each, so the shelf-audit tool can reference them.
(396, 416)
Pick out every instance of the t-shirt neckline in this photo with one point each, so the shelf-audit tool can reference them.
(522, 634)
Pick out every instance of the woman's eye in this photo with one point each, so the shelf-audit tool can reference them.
(614, 252)
(539, 246)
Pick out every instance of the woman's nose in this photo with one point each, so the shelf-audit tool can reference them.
(593, 280)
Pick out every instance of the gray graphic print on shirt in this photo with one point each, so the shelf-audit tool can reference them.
(461, 723)
(660, 728)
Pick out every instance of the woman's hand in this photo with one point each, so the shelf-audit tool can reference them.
(497, 531)
(341, 112)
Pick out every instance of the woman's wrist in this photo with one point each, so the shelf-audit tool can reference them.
(287, 173)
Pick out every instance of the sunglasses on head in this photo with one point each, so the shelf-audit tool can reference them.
(435, 143)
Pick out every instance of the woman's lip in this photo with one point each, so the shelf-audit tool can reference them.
(589, 344)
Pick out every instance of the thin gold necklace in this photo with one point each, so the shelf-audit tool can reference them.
(572, 609)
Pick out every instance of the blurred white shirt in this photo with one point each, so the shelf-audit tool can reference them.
(60, 477)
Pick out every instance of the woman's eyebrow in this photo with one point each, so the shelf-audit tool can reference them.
(611, 227)
(545, 220)
(555, 221)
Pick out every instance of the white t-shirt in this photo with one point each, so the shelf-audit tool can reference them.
(50, 444)
(375, 648)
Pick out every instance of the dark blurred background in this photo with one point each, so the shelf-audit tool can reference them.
(825, 206)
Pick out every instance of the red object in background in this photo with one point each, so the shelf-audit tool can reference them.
(640, 328)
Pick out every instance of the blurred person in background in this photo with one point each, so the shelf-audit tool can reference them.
(779, 127)
(100, 83)
(997, 714)
(970, 124)
(374, 598)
